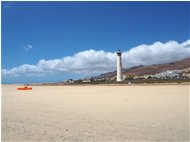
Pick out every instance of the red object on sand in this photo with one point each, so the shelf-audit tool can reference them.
(25, 88)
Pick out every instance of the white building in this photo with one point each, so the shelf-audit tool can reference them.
(169, 74)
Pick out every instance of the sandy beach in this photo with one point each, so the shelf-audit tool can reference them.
(96, 113)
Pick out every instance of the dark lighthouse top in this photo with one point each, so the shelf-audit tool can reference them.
(118, 52)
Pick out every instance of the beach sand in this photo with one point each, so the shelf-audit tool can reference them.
(96, 113)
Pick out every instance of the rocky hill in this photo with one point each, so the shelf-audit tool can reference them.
(153, 69)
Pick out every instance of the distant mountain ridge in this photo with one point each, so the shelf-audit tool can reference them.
(152, 69)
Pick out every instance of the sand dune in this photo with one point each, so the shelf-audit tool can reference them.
(96, 113)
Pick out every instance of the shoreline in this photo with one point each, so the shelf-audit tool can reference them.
(140, 84)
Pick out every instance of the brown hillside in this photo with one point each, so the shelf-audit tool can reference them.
(153, 69)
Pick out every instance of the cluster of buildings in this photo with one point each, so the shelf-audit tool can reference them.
(169, 74)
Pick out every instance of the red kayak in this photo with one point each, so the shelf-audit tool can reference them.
(24, 88)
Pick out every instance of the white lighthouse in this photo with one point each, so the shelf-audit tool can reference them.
(119, 67)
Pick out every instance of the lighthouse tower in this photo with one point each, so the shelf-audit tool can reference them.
(119, 67)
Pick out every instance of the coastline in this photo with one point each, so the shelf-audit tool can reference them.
(140, 84)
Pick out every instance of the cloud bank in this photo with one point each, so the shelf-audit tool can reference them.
(91, 61)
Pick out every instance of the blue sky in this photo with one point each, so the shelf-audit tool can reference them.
(53, 31)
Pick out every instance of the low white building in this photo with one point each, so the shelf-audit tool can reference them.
(86, 80)
(169, 74)
(186, 75)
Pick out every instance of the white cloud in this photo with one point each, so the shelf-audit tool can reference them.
(91, 61)
(28, 47)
